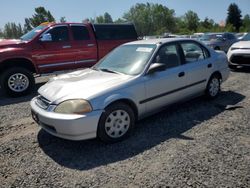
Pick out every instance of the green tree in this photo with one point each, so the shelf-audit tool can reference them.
(27, 27)
(120, 20)
(151, 19)
(106, 18)
(234, 16)
(41, 15)
(246, 23)
(182, 26)
(99, 19)
(1, 34)
(192, 21)
(12, 31)
(63, 19)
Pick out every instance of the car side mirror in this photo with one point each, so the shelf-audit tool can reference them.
(156, 67)
(46, 37)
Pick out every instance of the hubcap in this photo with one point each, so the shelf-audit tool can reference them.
(214, 87)
(18, 82)
(117, 123)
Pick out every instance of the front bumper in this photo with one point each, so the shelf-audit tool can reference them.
(67, 126)
(239, 57)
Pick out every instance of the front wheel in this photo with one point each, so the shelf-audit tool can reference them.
(116, 123)
(213, 87)
(17, 81)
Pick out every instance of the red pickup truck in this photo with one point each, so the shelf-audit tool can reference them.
(55, 47)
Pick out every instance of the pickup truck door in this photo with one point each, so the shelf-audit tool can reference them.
(54, 52)
(84, 45)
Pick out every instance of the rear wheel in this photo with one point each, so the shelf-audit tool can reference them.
(116, 123)
(17, 81)
(232, 66)
(213, 87)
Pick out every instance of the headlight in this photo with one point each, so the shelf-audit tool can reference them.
(75, 106)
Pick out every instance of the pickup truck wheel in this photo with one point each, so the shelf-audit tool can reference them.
(116, 123)
(17, 81)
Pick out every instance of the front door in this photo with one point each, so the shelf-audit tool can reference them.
(56, 52)
(166, 86)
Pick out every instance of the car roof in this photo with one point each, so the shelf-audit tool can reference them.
(159, 41)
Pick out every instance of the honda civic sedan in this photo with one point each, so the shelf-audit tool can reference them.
(135, 80)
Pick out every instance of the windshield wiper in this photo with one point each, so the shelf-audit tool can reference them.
(108, 70)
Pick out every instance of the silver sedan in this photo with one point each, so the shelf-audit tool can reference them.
(133, 81)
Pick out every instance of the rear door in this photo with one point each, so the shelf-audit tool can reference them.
(84, 45)
(56, 52)
(198, 66)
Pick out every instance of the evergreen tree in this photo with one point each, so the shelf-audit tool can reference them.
(41, 15)
(63, 19)
(12, 31)
(234, 16)
(107, 18)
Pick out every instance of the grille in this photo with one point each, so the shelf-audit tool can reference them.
(42, 102)
(241, 59)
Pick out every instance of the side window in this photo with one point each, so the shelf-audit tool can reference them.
(231, 36)
(80, 33)
(168, 55)
(193, 52)
(59, 34)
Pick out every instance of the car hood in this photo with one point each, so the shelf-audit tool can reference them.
(81, 84)
(10, 43)
(241, 44)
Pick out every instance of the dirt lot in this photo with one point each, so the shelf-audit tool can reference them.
(196, 144)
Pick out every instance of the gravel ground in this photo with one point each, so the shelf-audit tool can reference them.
(194, 144)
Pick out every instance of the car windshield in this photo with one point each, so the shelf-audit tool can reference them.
(127, 59)
(246, 37)
(209, 37)
(30, 35)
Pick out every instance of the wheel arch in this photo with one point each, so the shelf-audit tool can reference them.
(216, 73)
(126, 101)
(18, 62)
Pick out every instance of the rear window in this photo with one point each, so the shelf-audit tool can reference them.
(80, 33)
(115, 31)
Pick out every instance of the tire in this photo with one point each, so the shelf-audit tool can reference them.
(17, 81)
(116, 123)
(213, 87)
(232, 66)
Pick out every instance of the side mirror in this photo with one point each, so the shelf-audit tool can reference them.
(46, 37)
(156, 67)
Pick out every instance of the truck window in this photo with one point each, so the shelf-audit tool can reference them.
(59, 33)
(80, 33)
(115, 31)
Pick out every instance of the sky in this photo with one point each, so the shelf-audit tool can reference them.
(77, 10)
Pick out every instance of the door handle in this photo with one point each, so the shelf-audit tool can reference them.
(209, 65)
(67, 46)
(181, 74)
(90, 45)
